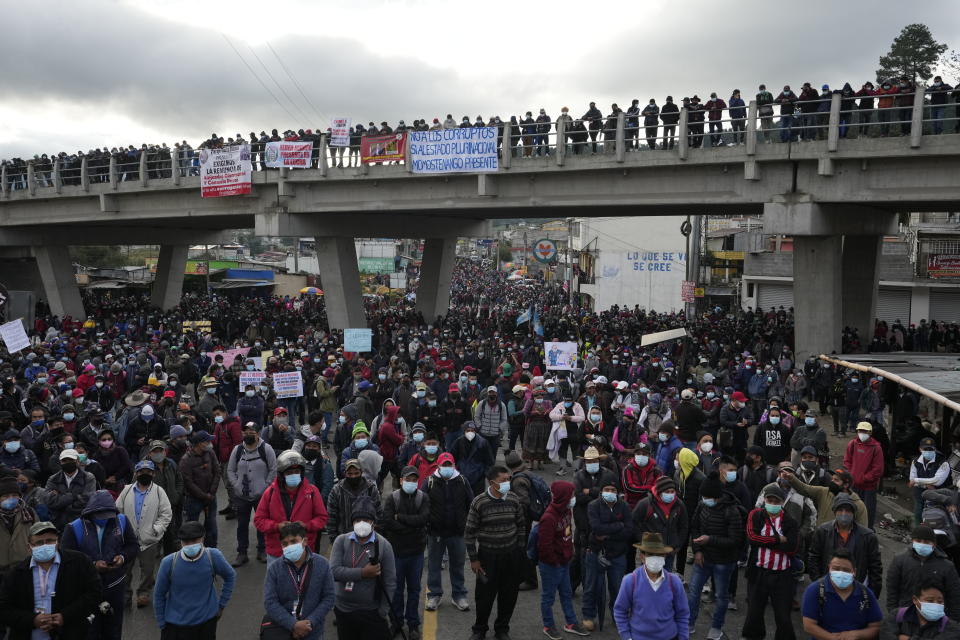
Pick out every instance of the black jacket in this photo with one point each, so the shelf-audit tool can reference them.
(670, 114)
(594, 482)
(907, 570)
(449, 503)
(404, 522)
(612, 523)
(76, 596)
(724, 524)
(647, 516)
(690, 418)
(862, 543)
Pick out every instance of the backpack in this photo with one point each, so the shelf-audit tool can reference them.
(633, 585)
(238, 452)
(725, 439)
(173, 565)
(822, 597)
(533, 542)
(79, 530)
(540, 496)
(902, 612)
(417, 499)
(938, 519)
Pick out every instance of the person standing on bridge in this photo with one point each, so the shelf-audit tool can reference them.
(715, 107)
(650, 114)
(594, 119)
(669, 116)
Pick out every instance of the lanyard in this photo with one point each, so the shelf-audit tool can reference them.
(299, 584)
(44, 577)
(358, 558)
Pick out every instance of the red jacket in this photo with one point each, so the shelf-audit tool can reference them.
(388, 438)
(886, 96)
(864, 461)
(555, 537)
(308, 508)
(638, 482)
(425, 467)
(226, 436)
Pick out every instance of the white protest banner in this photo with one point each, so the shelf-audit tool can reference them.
(295, 155)
(561, 355)
(358, 340)
(14, 335)
(288, 384)
(453, 150)
(230, 355)
(340, 132)
(251, 377)
(225, 172)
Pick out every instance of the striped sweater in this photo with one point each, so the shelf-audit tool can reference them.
(495, 526)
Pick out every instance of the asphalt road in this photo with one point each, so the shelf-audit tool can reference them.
(242, 617)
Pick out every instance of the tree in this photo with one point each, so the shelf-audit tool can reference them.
(913, 54)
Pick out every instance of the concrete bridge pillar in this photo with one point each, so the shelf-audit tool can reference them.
(436, 271)
(859, 288)
(168, 283)
(340, 278)
(816, 295)
(59, 281)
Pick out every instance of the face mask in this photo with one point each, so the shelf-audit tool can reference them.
(9, 504)
(293, 552)
(641, 460)
(382, 377)
(609, 496)
(342, 419)
(923, 549)
(418, 437)
(863, 436)
(710, 395)
(854, 380)
(929, 455)
(421, 394)
(446, 472)
(249, 439)
(810, 422)
(809, 465)
(44, 381)
(44, 553)
(470, 435)
(409, 487)
(145, 479)
(844, 519)
(12, 447)
(504, 487)
(158, 458)
(668, 497)
(931, 611)
(83, 458)
(731, 476)
(37, 423)
(841, 579)
(106, 444)
(431, 403)
(567, 403)
(706, 447)
(362, 528)
(292, 480)
(212, 390)
(710, 502)
(538, 400)
(217, 419)
(69, 416)
(772, 509)
(263, 389)
(654, 564)
(593, 467)
(774, 420)
(431, 449)
(360, 443)
(595, 418)
(250, 393)
(662, 437)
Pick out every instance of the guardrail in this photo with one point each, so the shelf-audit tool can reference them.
(616, 134)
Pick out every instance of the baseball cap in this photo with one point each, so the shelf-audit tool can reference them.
(42, 527)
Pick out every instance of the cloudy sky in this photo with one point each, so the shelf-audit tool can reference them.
(78, 74)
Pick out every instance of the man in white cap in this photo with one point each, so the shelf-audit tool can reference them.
(68, 490)
(491, 418)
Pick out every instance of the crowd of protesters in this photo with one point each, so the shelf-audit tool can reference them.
(872, 110)
(682, 469)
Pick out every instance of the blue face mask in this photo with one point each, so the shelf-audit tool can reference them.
(44, 553)
(609, 496)
(841, 579)
(431, 449)
(641, 460)
(293, 552)
(504, 488)
(342, 419)
(929, 455)
(446, 472)
(212, 390)
(418, 437)
(12, 447)
(710, 502)
(360, 443)
(69, 416)
(710, 395)
(731, 476)
(810, 421)
(193, 550)
(218, 419)
(292, 480)
(100, 522)
(923, 549)
(593, 467)
(668, 497)
(409, 487)
(37, 423)
(9, 504)
(931, 611)
(774, 419)
(568, 403)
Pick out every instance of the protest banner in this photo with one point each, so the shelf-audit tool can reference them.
(230, 355)
(225, 172)
(561, 356)
(389, 148)
(196, 326)
(340, 132)
(293, 155)
(358, 340)
(288, 384)
(471, 149)
(14, 336)
(251, 377)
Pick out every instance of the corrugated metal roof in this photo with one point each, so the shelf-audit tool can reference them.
(938, 372)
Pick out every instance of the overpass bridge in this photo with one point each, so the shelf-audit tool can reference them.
(837, 197)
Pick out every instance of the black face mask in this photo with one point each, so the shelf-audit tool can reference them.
(809, 465)
(68, 467)
(835, 489)
(249, 440)
(311, 454)
(145, 479)
(353, 483)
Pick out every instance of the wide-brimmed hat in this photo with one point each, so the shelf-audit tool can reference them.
(653, 543)
(135, 399)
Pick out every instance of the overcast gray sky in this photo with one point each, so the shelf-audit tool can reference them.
(79, 74)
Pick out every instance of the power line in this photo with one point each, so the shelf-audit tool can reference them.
(262, 84)
(282, 90)
(297, 84)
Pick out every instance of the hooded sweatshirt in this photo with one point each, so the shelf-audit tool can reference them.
(865, 462)
(388, 435)
(555, 538)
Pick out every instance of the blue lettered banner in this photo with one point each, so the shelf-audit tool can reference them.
(466, 150)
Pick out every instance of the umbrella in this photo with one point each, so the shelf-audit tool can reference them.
(312, 291)
(600, 589)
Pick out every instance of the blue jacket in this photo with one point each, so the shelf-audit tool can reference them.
(737, 109)
(250, 410)
(757, 387)
(186, 593)
(473, 458)
(613, 522)
(117, 540)
(280, 596)
(665, 454)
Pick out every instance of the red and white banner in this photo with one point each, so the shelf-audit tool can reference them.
(225, 172)
(941, 265)
(340, 132)
(294, 155)
(388, 148)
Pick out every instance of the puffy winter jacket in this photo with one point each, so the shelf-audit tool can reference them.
(449, 503)
(673, 525)
(613, 523)
(723, 523)
(306, 507)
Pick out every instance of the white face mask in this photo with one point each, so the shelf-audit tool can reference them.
(706, 447)
(654, 564)
(470, 435)
(362, 528)
(863, 436)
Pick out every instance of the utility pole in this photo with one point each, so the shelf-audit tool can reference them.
(693, 255)
(570, 260)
